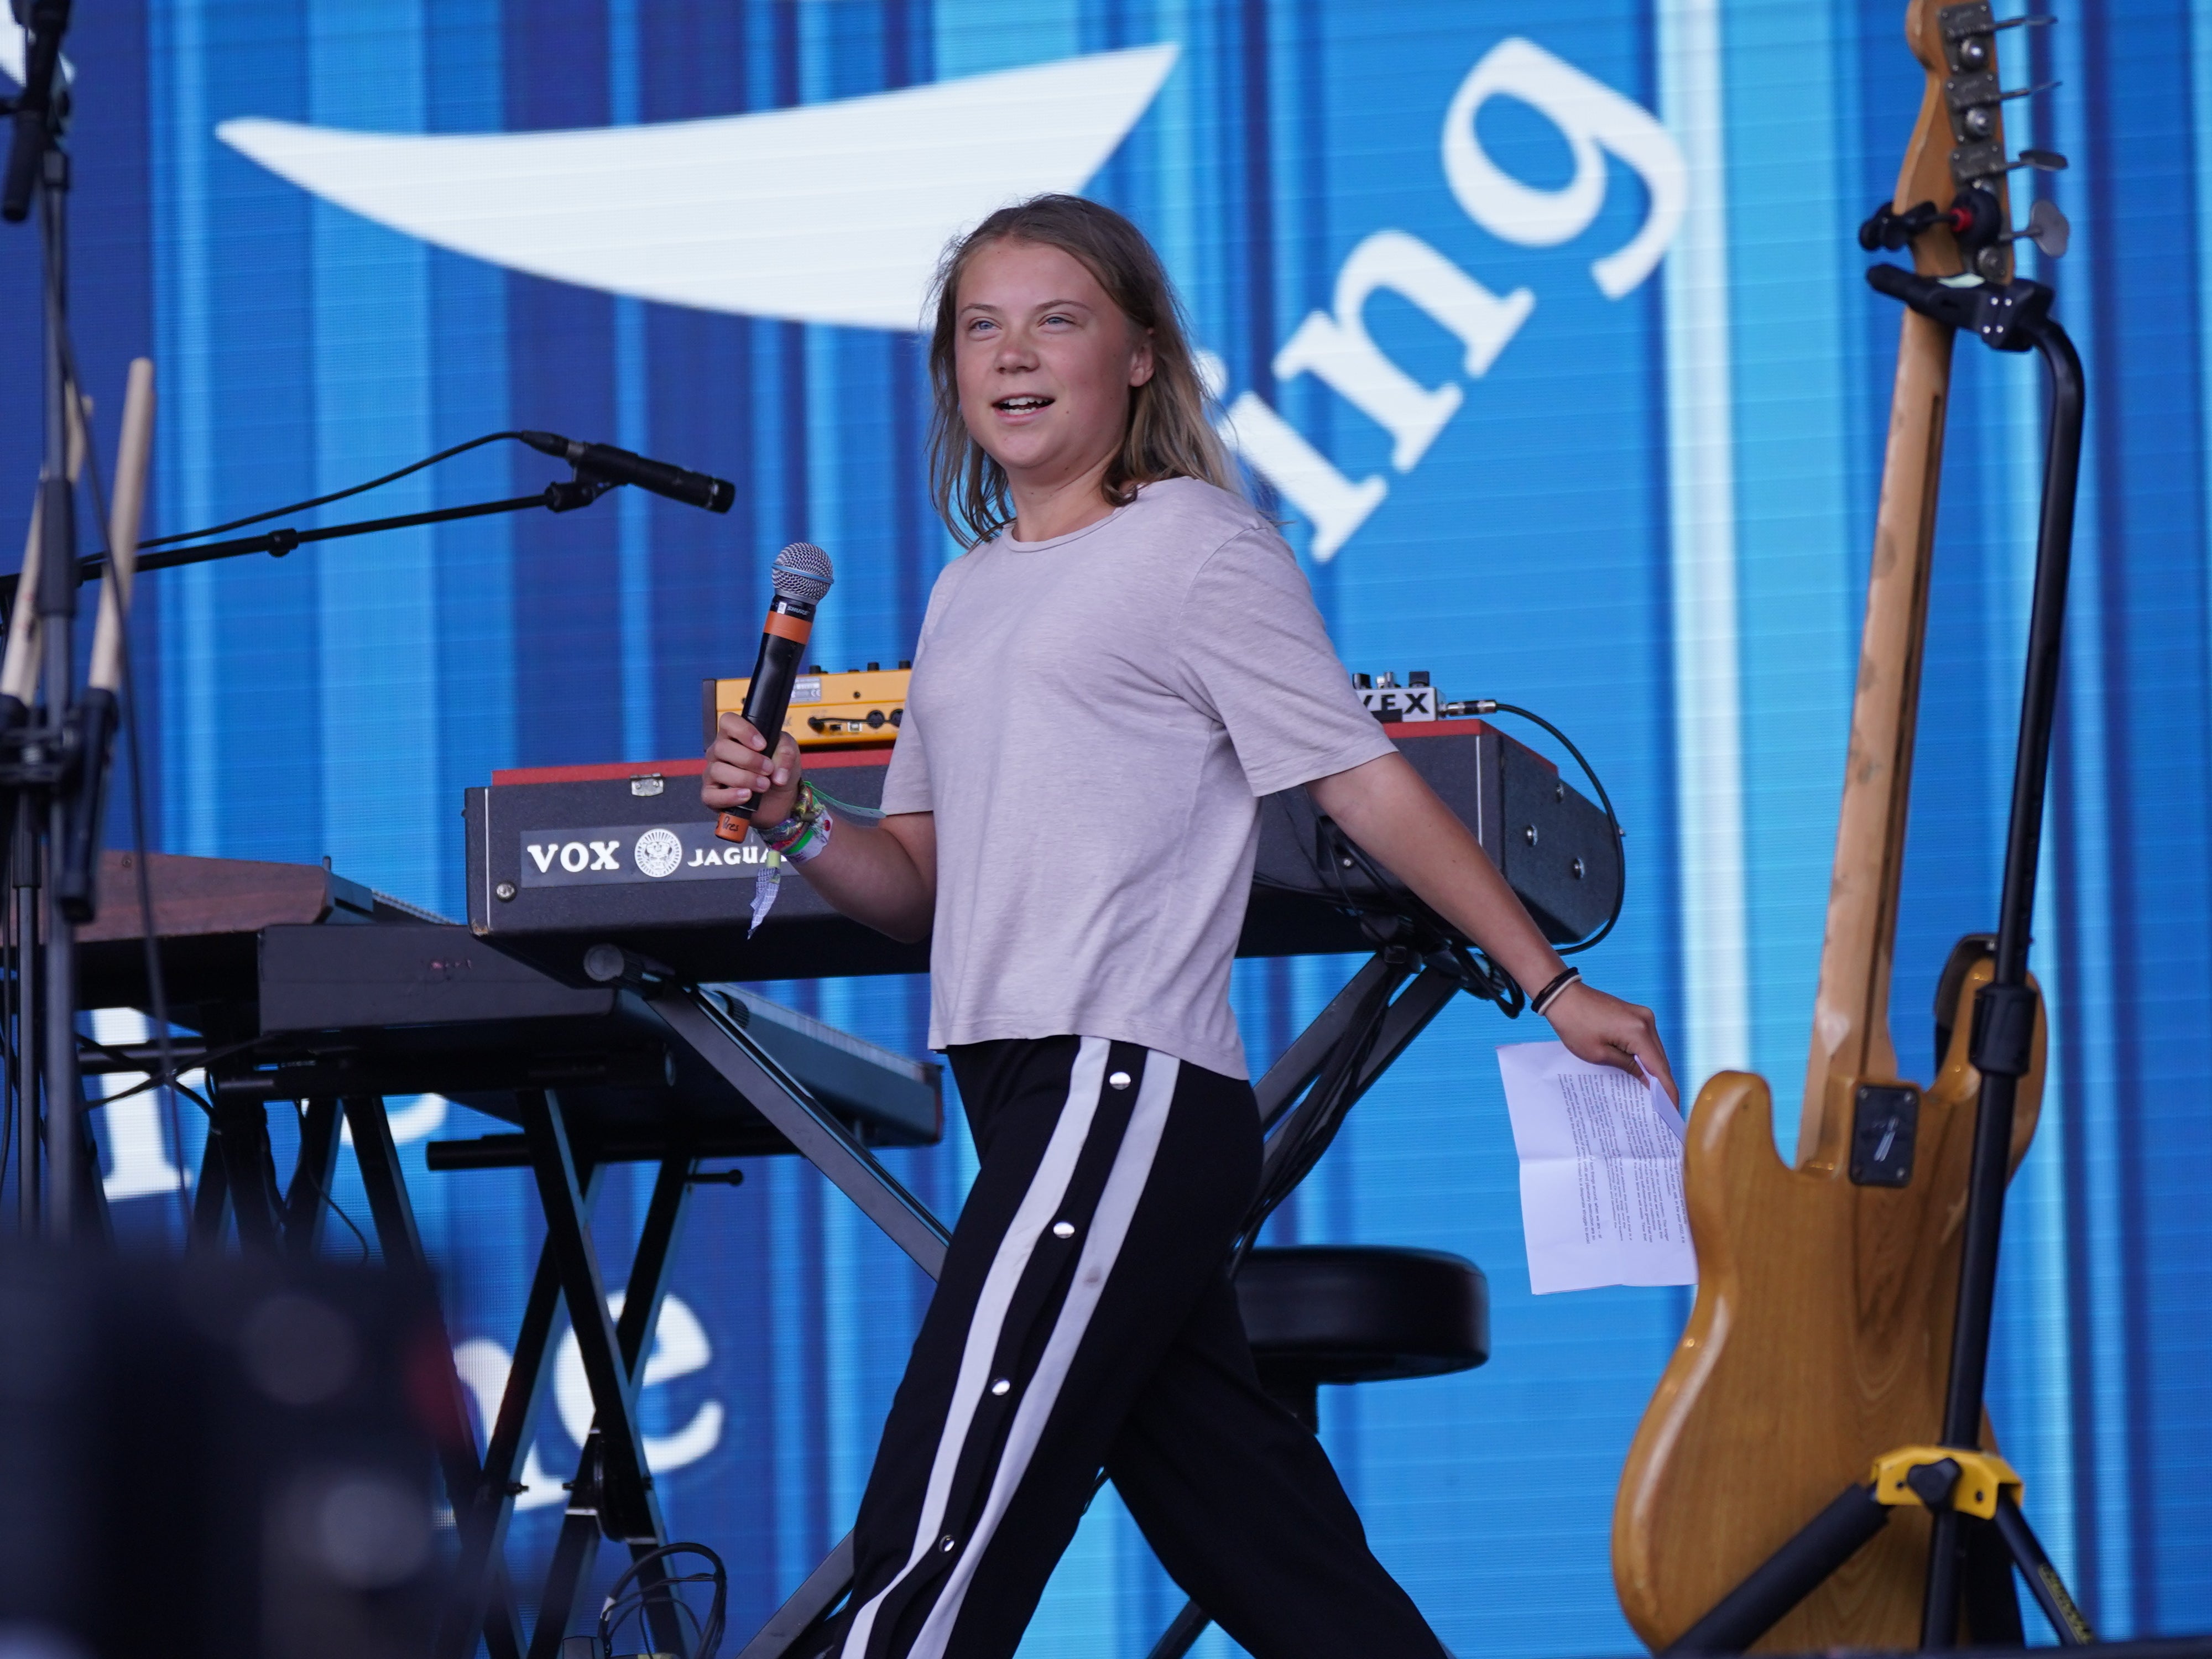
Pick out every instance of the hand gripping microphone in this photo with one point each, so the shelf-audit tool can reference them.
(620, 466)
(802, 575)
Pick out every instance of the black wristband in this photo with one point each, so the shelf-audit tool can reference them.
(1551, 994)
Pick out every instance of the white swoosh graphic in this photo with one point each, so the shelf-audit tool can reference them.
(828, 213)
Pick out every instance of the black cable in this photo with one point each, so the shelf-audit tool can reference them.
(1489, 706)
(336, 1209)
(1395, 915)
(1310, 1128)
(157, 990)
(9, 1001)
(634, 1604)
(618, 1606)
(169, 1077)
(336, 495)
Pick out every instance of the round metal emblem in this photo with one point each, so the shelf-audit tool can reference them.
(659, 853)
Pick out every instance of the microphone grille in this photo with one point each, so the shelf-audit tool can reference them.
(802, 573)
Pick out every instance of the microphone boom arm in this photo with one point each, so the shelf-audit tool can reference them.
(562, 495)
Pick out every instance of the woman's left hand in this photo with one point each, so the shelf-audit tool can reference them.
(1607, 1031)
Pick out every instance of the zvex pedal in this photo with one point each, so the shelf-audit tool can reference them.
(849, 710)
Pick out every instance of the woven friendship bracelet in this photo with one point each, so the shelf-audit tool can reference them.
(803, 835)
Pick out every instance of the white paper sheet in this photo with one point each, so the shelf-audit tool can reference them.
(1600, 1173)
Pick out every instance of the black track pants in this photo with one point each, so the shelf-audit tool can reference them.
(1084, 1321)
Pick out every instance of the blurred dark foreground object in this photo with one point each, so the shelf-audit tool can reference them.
(214, 1457)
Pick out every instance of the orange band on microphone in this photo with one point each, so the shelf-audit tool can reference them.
(731, 827)
(785, 626)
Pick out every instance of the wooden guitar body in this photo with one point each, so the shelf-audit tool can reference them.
(1819, 1339)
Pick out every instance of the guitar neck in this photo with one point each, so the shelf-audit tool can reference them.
(1850, 1011)
(1851, 1019)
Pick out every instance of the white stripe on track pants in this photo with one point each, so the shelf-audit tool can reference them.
(1084, 1320)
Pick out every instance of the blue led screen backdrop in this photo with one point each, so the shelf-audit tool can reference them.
(1542, 326)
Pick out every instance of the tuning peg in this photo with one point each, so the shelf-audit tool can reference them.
(1974, 98)
(1966, 31)
(1973, 162)
(2047, 228)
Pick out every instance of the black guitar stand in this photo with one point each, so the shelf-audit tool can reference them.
(1979, 1533)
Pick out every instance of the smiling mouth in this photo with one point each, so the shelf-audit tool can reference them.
(1025, 404)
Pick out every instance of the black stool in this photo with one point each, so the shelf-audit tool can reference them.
(1344, 1313)
(1359, 1313)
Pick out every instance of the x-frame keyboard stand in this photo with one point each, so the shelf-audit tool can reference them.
(611, 1496)
(892, 1208)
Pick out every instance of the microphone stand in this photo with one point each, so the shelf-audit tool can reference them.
(562, 495)
(54, 768)
(54, 743)
(40, 748)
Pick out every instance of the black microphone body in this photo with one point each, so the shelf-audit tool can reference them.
(767, 698)
(802, 576)
(620, 466)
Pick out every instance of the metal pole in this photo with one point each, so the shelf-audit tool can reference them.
(25, 921)
(2004, 1011)
(1970, 1339)
(58, 594)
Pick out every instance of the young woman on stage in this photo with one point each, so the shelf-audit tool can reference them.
(1126, 660)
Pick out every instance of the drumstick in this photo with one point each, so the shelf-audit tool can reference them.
(19, 669)
(123, 512)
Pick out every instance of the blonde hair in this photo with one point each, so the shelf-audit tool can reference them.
(1169, 433)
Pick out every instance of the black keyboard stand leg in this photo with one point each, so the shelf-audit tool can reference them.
(250, 1172)
(1182, 1633)
(307, 1205)
(211, 1194)
(815, 1134)
(480, 1580)
(613, 1492)
(575, 1551)
(809, 1605)
(649, 1274)
(394, 1217)
(93, 1223)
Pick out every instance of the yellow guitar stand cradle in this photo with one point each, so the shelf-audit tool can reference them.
(1974, 1488)
(1974, 1494)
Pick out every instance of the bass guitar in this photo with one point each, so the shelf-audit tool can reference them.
(1821, 1338)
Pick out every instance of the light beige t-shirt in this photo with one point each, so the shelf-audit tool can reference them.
(1092, 720)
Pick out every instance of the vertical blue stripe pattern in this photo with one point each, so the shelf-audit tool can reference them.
(1649, 518)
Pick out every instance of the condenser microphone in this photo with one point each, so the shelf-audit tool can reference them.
(620, 466)
(802, 575)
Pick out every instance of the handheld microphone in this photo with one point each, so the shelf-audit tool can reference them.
(802, 575)
(621, 467)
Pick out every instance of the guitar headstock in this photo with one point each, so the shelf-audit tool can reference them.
(1952, 206)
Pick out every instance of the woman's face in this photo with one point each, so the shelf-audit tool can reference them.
(1044, 361)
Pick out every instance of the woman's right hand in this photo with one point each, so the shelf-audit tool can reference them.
(739, 770)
